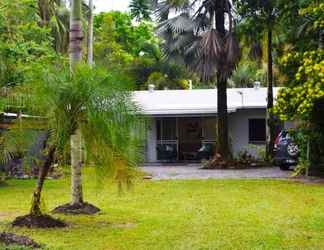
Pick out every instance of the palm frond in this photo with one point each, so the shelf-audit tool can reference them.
(178, 24)
(256, 52)
(211, 54)
(97, 103)
(191, 36)
(232, 53)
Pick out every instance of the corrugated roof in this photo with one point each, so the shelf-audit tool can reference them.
(199, 101)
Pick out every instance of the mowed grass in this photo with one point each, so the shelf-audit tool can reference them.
(188, 215)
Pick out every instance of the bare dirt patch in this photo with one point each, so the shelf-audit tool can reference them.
(41, 221)
(14, 239)
(82, 208)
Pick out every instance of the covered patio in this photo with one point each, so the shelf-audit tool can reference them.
(185, 138)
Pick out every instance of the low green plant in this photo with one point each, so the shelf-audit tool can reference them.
(244, 157)
(260, 152)
(302, 168)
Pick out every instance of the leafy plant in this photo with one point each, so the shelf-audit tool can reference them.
(96, 103)
(140, 9)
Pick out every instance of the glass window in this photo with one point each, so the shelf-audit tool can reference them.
(257, 130)
(166, 129)
(209, 128)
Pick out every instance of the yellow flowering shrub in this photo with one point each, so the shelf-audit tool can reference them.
(316, 13)
(307, 85)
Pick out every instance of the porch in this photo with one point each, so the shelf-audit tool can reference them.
(179, 139)
(191, 138)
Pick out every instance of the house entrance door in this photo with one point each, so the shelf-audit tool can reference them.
(190, 133)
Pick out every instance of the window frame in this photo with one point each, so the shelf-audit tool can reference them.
(252, 139)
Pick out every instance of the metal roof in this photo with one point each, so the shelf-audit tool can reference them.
(199, 101)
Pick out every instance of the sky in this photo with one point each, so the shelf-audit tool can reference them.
(106, 5)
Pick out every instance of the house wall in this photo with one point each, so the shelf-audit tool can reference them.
(238, 133)
(239, 130)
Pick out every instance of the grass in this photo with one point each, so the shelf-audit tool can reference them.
(209, 214)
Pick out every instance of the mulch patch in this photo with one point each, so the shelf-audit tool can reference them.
(14, 239)
(75, 209)
(246, 163)
(41, 221)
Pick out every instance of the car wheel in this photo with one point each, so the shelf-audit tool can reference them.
(292, 149)
(284, 167)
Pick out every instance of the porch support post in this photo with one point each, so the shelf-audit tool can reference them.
(177, 135)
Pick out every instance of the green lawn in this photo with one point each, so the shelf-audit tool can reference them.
(213, 214)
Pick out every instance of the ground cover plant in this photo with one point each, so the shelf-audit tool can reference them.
(210, 214)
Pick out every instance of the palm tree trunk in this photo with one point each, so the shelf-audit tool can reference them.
(90, 35)
(270, 119)
(76, 168)
(36, 202)
(222, 122)
(222, 128)
(76, 35)
(76, 38)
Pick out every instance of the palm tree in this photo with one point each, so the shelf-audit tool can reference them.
(76, 37)
(262, 17)
(93, 102)
(53, 13)
(140, 9)
(197, 36)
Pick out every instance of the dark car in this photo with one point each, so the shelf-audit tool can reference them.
(285, 151)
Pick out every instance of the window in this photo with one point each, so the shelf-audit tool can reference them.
(167, 139)
(167, 129)
(209, 129)
(257, 131)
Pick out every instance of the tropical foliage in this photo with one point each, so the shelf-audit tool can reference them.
(95, 102)
(117, 37)
(135, 50)
(301, 99)
(140, 9)
(306, 86)
(22, 40)
(196, 36)
(246, 73)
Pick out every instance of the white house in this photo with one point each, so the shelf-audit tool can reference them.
(184, 121)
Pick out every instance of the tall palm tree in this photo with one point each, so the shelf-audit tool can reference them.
(197, 36)
(262, 16)
(76, 38)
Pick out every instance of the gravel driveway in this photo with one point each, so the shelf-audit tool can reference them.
(193, 171)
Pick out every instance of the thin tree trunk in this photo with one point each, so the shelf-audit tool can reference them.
(90, 35)
(76, 38)
(43, 171)
(76, 168)
(270, 129)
